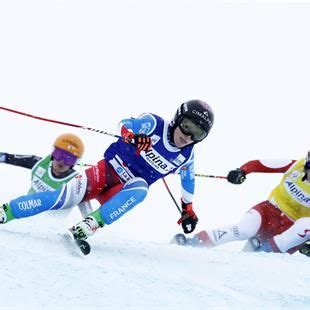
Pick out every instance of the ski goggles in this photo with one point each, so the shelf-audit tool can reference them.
(189, 128)
(62, 155)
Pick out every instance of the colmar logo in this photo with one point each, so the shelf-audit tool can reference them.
(29, 204)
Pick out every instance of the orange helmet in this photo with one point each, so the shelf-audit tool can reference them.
(70, 143)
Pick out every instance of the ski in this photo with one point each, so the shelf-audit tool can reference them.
(251, 245)
(82, 245)
(179, 239)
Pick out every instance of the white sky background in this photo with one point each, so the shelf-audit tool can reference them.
(96, 62)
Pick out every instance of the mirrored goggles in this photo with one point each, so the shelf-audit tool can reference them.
(62, 155)
(189, 128)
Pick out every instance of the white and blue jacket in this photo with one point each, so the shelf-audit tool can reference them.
(161, 160)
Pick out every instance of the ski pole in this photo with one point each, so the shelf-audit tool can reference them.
(85, 165)
(208, 176)
(59, 122)
(171, 195)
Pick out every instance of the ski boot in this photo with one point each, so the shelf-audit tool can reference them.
(5, 214)
(3, 217)
(179, 239)
(85, 228)
(80, 232)
(305, 249)
(255, 244)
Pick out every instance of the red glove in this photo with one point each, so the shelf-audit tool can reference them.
(189, 218)
(127, 135)
(141, 140)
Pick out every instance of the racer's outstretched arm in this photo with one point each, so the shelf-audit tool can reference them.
(238, 176)
(267, 166)
(25, 161)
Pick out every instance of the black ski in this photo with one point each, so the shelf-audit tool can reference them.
(82, 245)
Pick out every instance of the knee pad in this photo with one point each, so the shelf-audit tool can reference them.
(133, 192)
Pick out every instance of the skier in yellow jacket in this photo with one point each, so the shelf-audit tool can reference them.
(279, 224)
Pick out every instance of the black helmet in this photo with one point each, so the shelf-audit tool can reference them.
(198, 112)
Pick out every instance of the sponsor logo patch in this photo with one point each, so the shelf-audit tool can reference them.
(220, 233)
(155, 139)
(40, 172)
(78, 184)
(146, 127)
(122, 209)
(29, 204)
(295, 175)
(40, 186)
(297, 193)
(179, 160)
(158, 162)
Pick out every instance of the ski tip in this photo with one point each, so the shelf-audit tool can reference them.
(84, 246)
(179, 239)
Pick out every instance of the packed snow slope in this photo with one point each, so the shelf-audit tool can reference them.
(40, 272)
(95, 62)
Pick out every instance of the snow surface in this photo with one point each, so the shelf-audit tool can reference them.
(95, 62)
(39, 272)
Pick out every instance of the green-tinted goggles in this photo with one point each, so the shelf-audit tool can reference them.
(189, 128)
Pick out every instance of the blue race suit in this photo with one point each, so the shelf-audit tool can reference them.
(140, 170)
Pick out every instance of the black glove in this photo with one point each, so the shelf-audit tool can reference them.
(189, 219)
(305, 249)
(143, 142)
(236, 176)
